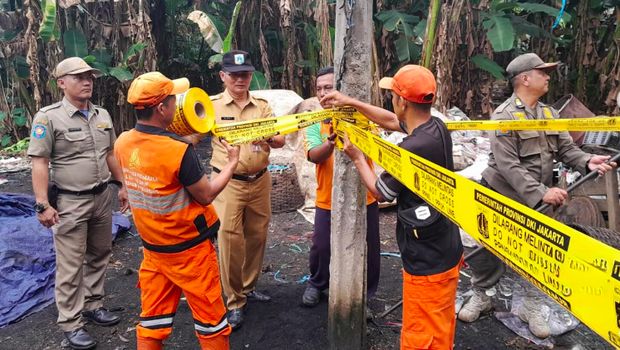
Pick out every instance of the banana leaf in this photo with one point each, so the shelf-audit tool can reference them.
(500, 33)
(47, 28)
(207, 29)
(231, 30)
(488, 65)
(75, 43)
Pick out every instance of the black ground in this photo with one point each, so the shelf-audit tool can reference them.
(280, 324)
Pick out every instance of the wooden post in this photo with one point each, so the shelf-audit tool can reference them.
(611, 190)
(347, 291)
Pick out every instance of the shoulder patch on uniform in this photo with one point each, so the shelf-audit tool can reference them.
(519, 103)
(41, 120)
(519, 115)
(548, 112)
(39, 131)
(50, 107)
(500, 133)
(216, 97)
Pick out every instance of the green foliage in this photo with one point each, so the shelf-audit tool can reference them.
(19, 117)
(487, 65)
(8, 35)
(394, 20)
(133, 51)
(231, 30)
(48, 28)
(5, 140)
(75, 43)
(519, 7)
(500, 32)
(15, 149)
(507, 20)
(407, 28)
(21, 67)
(259, 82)
(121, 73)
(102, 60)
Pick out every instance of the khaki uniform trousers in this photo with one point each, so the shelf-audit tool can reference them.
(83, 243)
(244, 209)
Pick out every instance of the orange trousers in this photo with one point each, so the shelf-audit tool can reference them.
(429, 318)
(195, 273)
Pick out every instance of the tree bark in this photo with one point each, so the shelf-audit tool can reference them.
(347, 292)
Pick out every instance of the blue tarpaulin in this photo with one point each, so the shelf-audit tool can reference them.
(27, 258)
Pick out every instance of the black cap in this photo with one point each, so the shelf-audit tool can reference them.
(237, 61)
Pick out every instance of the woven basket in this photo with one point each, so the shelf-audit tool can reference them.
(285, 192)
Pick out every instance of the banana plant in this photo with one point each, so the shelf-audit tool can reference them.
(212, 37)
(49, 30)
(505, 21)
(409, 30)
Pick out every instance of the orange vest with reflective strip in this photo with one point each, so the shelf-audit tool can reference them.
(166, 216)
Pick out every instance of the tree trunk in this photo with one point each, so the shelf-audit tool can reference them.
(347, 292)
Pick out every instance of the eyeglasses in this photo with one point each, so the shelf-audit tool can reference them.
(239, 75)
(81, 76)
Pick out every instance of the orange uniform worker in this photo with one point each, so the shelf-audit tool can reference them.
(429, 243)
(170, 197)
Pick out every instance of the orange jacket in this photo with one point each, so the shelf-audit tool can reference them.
(167, 218)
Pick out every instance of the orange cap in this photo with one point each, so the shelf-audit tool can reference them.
(413, 83)
(151, 88)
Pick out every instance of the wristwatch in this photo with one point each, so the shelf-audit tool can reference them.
(40, 207)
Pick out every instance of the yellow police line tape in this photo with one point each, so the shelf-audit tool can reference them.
(194, 113)
(579, 272)
(577, 124)
(256, 130)
(248, 131)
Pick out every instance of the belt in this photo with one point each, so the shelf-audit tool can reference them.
(95, 190)
(248, 178)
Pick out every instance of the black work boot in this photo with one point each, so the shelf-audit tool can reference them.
(80, 339)
(101, 317)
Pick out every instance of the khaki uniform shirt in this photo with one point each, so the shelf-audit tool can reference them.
(76, 147)
(521, 162)
(252, 159)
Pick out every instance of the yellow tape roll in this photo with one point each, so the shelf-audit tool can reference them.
(194, 113)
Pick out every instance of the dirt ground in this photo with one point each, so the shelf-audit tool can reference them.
(280, 324)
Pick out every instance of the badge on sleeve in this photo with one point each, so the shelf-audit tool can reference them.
(547, 113)
(39, 131)
(503, 133)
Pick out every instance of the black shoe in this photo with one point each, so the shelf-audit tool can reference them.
(80, 339)
(258, 296)
(235, 318)
(311, 296)
(101, 317)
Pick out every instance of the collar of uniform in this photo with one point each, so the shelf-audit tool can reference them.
(516, 101)
(72, 110)
(229, 99)
(154, 130)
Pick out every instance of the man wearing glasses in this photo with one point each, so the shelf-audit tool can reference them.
(77, 138)
(244, 206)
(320, 144)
